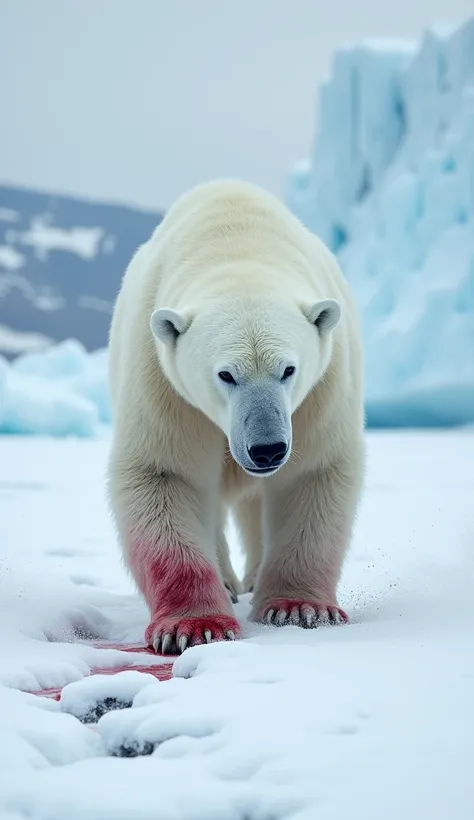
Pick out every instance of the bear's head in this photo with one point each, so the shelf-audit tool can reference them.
(248, 363)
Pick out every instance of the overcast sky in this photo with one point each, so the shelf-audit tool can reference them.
(136, 100)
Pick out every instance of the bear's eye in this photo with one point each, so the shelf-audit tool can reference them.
(226, 377)
(289, 371)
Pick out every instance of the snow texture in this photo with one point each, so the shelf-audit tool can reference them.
(89, 698)
(62, 391)
(45, 238)
(372, 719)
(390, 187)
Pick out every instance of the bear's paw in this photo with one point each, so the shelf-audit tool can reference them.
(171, 636)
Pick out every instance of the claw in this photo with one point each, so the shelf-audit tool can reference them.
(269, 615)
(156, 643)
(336, 616)
(232, 594)
(166, 642)
(323, 616)
(281, 617)
(230, 634)
(208, 635)
(182, 643)
(295, 616)
(309, 615)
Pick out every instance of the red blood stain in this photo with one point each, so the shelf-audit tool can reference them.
(184, 593)
(177, 581)
(161, 671)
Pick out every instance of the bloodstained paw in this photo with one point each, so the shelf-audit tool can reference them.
(171, 636)
(306, 614)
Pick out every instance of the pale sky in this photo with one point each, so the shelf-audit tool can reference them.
(136, 100)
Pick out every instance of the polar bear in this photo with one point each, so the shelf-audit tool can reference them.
(236, 379)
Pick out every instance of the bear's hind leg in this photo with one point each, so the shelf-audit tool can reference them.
(171, 550)
(231, 582)
(248, 516)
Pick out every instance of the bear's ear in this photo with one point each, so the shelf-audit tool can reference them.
(167, 325)
(325, 315)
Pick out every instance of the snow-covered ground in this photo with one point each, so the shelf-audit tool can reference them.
(371, 720)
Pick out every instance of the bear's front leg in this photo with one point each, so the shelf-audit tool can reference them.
(169, 545)
(308, 523)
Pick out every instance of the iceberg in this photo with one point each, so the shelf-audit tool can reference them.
(62, 391)
(389, 186)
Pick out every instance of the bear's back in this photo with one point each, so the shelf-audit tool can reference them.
(222, 235)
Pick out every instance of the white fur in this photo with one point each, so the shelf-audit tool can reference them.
(231, 280)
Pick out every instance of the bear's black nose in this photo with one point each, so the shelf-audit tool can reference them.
(268, 456)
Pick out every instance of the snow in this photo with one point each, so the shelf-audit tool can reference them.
(15, 342)
(36, 727)
(81, 697)
(390, 186)
(94, 303)
(62, 391)
(369, 720)
(42, 296)
(9, 215)
(10, 258)
(45, 238)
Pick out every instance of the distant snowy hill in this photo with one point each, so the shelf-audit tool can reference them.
(61, 262)
(390, 186)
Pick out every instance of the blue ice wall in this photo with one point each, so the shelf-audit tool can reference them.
(389, 186)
